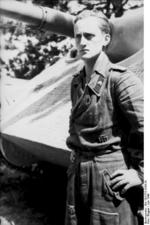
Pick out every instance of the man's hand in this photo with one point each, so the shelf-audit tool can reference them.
(124, 179)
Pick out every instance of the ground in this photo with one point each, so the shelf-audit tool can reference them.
(34, 196)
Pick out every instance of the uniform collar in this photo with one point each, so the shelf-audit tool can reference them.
(101, 69)
(102, 64)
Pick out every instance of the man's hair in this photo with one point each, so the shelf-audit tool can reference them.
(102, 20)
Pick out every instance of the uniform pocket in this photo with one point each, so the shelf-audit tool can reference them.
(99, 217)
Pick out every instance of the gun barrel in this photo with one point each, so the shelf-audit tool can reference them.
(55, 21)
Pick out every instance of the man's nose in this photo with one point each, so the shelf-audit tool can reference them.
(83, 41)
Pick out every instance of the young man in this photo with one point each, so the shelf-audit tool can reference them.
(106, 133)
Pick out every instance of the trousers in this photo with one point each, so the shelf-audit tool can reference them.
(90, 199)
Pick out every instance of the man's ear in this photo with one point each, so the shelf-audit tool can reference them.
(106, 39)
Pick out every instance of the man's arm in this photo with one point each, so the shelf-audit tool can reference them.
(129, 94)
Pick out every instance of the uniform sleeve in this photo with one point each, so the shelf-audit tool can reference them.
(129, 95)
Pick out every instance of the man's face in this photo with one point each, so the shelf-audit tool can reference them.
(89, 38)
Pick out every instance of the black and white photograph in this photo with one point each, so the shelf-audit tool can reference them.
(72, 113)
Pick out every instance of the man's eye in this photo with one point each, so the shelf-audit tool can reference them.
(89, 36)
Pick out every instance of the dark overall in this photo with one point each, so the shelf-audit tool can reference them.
(106, 127)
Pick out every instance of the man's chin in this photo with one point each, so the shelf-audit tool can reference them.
(88, 57)
(85, 57)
